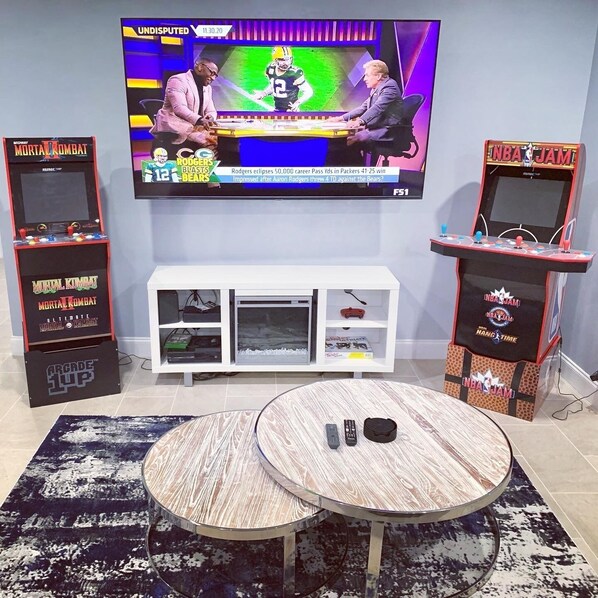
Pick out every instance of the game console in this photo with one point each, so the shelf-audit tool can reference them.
(192, 313)
(200, 349)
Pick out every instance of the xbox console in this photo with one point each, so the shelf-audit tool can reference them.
(201, 349)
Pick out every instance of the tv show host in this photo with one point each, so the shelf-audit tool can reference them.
(189, 109)
(382, 109)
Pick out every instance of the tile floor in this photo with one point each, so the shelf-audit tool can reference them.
(560, 457)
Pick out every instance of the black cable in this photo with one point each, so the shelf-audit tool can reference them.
(200, 377)
(128, 356)
(576, 400)
(350, 292)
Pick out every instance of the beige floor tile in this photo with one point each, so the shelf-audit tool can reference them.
(239, 402)
(145, 405)
(554, 459)
(146, 383)
(286, 381)
(203, 397)
(587, 552)
(432, 382)
(548, 498)
(593, 460)
(582, 430)
(107, 405)
(12, 465)
(582, 510)
(252, 384)
(14, 365)
(24, 427)
(428, 368)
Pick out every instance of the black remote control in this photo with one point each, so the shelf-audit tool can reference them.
(350, 432)
(332, 436)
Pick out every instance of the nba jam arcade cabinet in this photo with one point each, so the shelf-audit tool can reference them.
(511, 276)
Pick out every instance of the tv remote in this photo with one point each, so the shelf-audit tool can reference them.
(332, 436)
(350, 432)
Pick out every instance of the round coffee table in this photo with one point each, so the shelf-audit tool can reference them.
(447, 461)
(205, 476)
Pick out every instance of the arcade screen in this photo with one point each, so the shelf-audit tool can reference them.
(279, 83)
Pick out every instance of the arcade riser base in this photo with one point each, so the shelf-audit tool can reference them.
(72, 374)
(513, 388)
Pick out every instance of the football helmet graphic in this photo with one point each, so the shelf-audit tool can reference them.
(283, 57)
(160, 156)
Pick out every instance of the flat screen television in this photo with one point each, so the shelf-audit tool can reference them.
(263, 143)
(531, 203)
(53, 185)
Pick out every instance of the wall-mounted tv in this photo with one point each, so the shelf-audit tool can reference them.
(229, 108)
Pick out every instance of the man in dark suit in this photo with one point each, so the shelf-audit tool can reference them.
(381, 110)
(189, 109)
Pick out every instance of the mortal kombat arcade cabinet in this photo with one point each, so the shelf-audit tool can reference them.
(62, 257)
(511, 273)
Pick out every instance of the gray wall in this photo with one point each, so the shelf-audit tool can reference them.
(506, 70)
(579, 328)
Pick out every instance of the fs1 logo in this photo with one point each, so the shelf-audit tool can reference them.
(402, 191)
(74, 374)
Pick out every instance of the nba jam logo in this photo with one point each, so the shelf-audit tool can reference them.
(75, 374)
(528, 154)
(488, 384)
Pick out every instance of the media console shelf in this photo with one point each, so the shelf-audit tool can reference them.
(318, 292)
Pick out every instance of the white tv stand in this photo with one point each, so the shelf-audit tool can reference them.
(374, 284)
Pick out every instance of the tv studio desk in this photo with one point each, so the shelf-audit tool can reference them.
(271, 141)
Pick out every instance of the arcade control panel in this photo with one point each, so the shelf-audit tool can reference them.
(58, 238)
(544, 256)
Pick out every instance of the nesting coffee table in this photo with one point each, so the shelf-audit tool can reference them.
(205, 477)
(448, 460)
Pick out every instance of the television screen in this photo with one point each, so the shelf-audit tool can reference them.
(287, 108)
(527, 201)
(54, 196)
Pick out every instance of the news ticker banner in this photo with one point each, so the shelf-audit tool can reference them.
(194, 170)
(310, 174)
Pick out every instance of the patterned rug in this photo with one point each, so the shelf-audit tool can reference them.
(75, 526)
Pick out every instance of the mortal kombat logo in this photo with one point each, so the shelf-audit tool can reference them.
(75, 374)
(50, 149)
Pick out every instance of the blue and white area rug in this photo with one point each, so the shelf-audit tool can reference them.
(75, 526)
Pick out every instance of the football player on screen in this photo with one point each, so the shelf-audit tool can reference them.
(286, 83)
(161, 170)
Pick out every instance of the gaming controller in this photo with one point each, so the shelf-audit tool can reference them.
(332, 436)
(352, 312)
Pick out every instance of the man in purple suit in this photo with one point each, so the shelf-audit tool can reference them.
(382, 109)
(189, 109)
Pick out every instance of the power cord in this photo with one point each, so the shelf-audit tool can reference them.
(211, 375)
(128, 356)
(563, 413)
(350, 292)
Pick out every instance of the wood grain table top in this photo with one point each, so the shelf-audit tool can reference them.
(448, 459)
(205, 476)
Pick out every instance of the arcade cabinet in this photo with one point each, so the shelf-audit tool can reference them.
(62, 257)
(511, 275)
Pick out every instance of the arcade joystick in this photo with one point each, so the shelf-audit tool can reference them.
(443, 230)
(566, 245)
(518, 242)
(478, 237)
(70, 230)
(22, 233)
